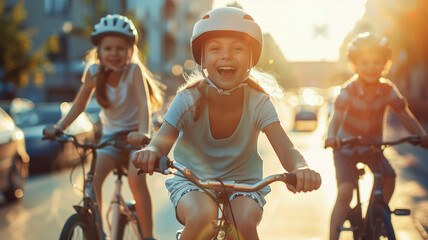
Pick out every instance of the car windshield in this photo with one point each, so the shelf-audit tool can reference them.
(38, 116)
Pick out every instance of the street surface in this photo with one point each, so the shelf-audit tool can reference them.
(49, 198)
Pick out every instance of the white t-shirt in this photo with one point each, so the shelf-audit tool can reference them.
(234, 158)
(122, 115)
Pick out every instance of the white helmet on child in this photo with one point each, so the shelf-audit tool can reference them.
(114, 24)
(368, 42)
(227, 21)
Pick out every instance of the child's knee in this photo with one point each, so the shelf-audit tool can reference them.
(137, 181)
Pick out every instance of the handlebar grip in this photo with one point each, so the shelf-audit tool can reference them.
(161, 165)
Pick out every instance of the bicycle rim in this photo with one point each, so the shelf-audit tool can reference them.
(127, 230)
(76, 227)
(382, 226)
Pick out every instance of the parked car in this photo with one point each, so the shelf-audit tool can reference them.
(14, 159)
(306, 103)
(46, 155)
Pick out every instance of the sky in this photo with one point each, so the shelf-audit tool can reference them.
(305, 30)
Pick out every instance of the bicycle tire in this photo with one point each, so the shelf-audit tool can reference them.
(76, 227)
(346, 231)
(126, 230)
(16, 177)
(382, 228)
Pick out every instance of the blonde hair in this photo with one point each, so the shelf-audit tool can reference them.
(155, 87)
(260, 81)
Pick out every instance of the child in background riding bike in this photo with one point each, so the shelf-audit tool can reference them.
(216, 119)
(127, 96)
(360, 110)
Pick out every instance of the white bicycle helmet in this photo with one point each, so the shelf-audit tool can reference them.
(227, 21)
(114, 24)
(367, 42)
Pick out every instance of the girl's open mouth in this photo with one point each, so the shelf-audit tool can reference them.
(226, 71)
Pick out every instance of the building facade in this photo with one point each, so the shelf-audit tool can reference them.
(165, 28)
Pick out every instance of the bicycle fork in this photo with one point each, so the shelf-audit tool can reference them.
(90, 211)
(220, 225)
(114, 208)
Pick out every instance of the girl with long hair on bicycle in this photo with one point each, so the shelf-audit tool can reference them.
(359, 110)
(127, 95)
(215, 120)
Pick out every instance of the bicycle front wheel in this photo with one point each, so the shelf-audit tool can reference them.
(76, 227)
(382, 225)
(129, 229)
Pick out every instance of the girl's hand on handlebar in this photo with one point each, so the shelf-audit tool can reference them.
(333, 142)
(307, 180)
(145, 159)
(137, 138)
(52, 131)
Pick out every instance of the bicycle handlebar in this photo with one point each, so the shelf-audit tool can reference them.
(413, 139)
(164, 164)
(63, 138)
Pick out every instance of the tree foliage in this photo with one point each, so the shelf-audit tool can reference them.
(19, 61)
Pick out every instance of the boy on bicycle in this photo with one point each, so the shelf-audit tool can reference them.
(360, 110)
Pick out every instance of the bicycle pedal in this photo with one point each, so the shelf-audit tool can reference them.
(401, 212)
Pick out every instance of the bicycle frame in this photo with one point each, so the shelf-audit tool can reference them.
(90, 203)
(222, 190)
(118, 206)
(90, 208)
(363, 227)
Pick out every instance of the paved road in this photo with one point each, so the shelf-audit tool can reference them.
(48, 199)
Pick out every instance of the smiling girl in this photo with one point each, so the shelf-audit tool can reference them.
(216, 119)
(127, 96)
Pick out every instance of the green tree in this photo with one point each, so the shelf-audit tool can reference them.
(19, 62)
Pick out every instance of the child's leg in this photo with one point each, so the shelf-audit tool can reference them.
(340, 209)
(248, 214)
(142, 197)
(381, 165)
(388, 187)
(104, 166)
(197, 210)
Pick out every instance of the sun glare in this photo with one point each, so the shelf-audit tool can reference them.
(305, 30)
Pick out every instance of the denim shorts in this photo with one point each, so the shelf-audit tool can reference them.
(346, 165)
(178, 187)
(121, 155)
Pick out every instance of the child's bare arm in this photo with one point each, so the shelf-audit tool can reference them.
(291, 159)
(410, 122)
(335, 121)
(159, 146)
(144, 110)
(80, 101)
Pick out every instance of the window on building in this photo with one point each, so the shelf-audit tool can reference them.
(56, 7)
